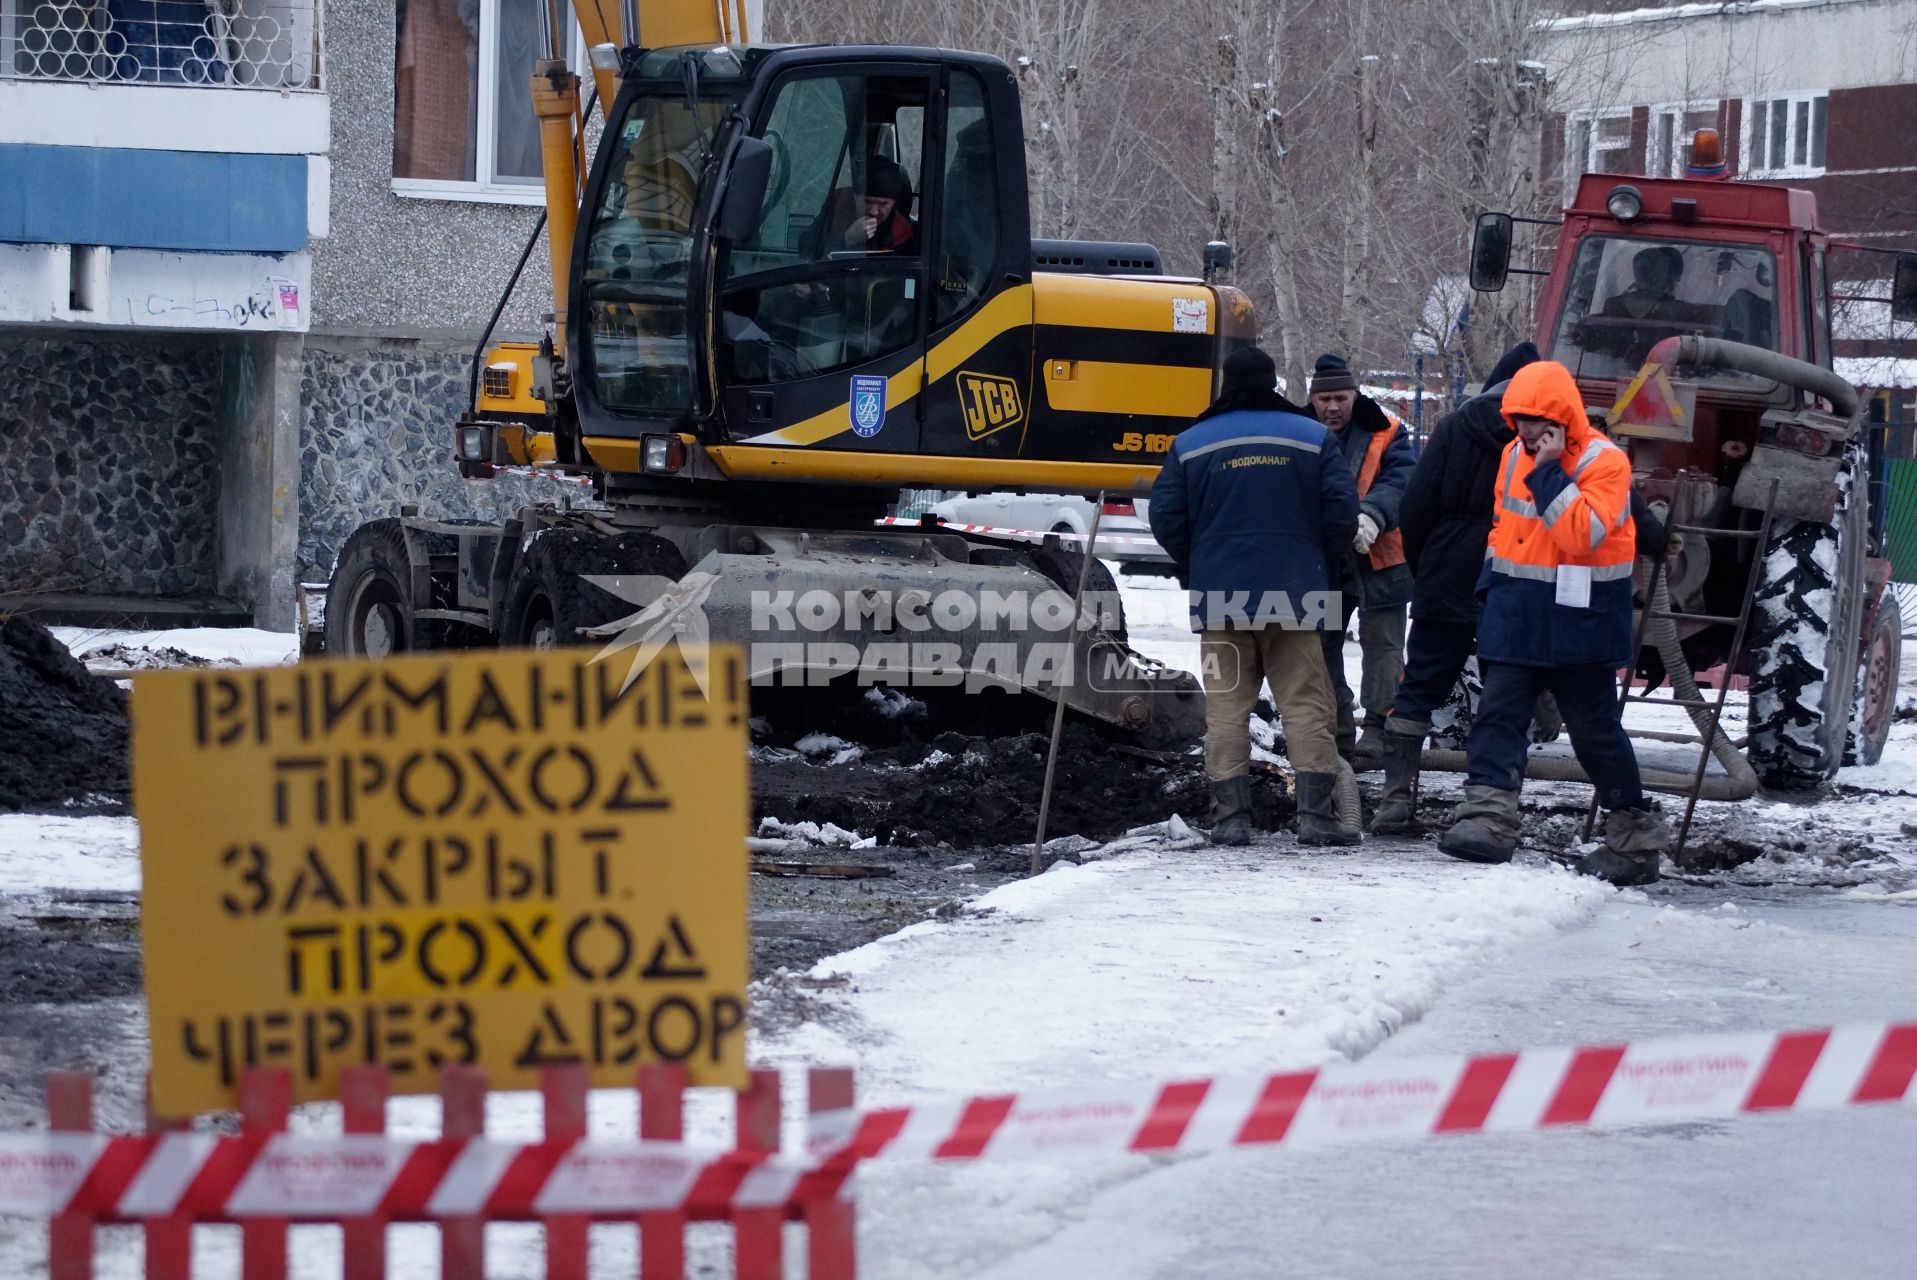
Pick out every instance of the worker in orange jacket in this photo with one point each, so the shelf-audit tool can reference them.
(1556, 587)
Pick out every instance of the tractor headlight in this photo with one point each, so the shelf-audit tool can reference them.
(1625, 203)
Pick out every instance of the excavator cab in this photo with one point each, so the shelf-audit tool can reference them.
(814, 324)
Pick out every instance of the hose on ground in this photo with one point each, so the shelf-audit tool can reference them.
(1737, 782)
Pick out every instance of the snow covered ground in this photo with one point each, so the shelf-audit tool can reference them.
(1170, 959)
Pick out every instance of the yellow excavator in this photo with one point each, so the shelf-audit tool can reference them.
(792, 281)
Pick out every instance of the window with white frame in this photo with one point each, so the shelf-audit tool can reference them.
(1596, 141)
(1784, 135)
(463, 123)
(1673, 126)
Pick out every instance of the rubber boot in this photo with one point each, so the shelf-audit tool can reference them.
(1486, 829)
(1231, 811)
(1397, 814)
(1634, 841)
(1368, 753)
(1318, 813)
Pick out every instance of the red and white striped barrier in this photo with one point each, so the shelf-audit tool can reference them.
(542, 473)
(297, 1178)
(1032, 535)
(1651, 1082)
(316, 1179)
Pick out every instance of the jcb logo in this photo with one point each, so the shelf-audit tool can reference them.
(989, 403)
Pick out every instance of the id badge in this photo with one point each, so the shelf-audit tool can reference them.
(1574, 586)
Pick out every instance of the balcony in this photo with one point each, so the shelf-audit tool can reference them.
(214, 44)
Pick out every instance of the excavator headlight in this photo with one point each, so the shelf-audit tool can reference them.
(662, 455)
(604, 57)
(475, 442)
(1625, 203)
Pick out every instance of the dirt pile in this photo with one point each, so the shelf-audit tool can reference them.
(971, 791)
(63, 731)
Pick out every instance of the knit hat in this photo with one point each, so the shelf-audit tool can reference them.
(885, 180)
(1510, 362)
(1248, 369)
(1332, 374)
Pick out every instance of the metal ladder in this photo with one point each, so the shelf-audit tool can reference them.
(1713, 707)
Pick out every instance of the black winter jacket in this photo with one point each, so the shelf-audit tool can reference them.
(1446, 512)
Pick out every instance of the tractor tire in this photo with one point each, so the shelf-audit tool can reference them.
(1877, 684)
(1061, 567)
(369, 600)
(1804, 628)
(548, 598)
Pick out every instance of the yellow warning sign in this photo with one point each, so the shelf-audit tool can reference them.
(503, 858)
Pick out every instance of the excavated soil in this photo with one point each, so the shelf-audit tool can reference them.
(908, 786)
(63, 731)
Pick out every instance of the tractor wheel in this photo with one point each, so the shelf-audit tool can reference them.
(1804, 639)
(548, 598)
(369, 601)
(1061, 567)
(1877, 684)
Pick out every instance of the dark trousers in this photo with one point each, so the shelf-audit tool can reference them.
(1434, 655)
(1500, 735)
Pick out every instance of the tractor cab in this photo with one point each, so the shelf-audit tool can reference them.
(1695, 314)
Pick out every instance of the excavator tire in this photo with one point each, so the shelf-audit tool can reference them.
(1062, 567)
(370, 606)
(1804, 640)
(548, 598)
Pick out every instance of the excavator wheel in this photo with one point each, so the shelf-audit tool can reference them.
(548, 598)
(370, 605)
(1062, 567)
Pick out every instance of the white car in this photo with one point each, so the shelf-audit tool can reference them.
(1124, 532)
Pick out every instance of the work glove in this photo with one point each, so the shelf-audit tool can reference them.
(1367, 534)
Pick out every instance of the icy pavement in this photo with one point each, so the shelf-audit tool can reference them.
(1777, 1196)
(40, 852)
(181, 646)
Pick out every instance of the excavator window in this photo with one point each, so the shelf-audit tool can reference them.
(830, 279)
(637, 253)
(1627, 294)
(968, 205)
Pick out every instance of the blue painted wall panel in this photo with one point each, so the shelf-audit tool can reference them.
(152, 199)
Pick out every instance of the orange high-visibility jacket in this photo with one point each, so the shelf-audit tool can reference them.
(1574, 511)
(1387, 549)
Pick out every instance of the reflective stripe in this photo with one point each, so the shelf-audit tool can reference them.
(1512, 569)
(1623, 515)
(1548, 573)
(1598, 534)
(1520, 507)
(1597, 446)
(1560, 504)
(1304, 446)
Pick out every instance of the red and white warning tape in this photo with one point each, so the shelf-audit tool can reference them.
(542, 473)
(1650, 1082)
(1032, 535)
(211, 1178)
(326, 1178)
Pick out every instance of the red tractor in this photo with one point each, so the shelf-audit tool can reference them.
(1696, 316)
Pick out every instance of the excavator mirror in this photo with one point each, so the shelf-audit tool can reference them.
(1491, 252)
(746, 180)
(1903, 289)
